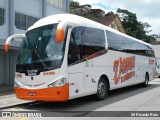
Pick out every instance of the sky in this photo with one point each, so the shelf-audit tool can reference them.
(146, 10)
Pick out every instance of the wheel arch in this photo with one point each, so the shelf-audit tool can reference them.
(106, 79)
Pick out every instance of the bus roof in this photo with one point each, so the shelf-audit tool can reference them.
(66, 18)
(80, 21)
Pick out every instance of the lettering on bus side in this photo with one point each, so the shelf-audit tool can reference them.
(124, 69)
(48, 73)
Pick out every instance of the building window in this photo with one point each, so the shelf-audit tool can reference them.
(23, 21)
(57, 3)
(1, 16)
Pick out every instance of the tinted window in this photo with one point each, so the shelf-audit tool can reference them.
(85, 41)
(75, 49)
(125, 44)
(93, 40)
(115, 41)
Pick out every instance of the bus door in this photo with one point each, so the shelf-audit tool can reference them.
(89, 77)
(75, 65)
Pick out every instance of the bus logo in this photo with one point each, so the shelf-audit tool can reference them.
(123, 69)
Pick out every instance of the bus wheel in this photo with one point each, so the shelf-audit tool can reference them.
(102, 89)
(145, 84)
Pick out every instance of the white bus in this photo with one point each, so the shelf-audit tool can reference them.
(67, 56)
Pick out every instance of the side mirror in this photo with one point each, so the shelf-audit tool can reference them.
(61, 30)
(11, 38)
(60, 34)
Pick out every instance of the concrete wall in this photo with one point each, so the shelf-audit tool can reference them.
(35, 8)
(4, 28)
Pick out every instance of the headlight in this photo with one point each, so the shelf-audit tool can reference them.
(16, 85)
(58, 83)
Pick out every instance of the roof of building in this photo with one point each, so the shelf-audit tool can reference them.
(86, 5)
(97, 10)
(107, 20)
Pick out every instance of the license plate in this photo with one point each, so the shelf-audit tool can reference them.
(32, 94)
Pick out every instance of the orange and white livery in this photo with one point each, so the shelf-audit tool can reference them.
(66, 56)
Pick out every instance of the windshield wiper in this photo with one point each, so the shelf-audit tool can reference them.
(37, 54)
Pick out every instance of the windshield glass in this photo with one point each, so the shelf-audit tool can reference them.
(40, 51)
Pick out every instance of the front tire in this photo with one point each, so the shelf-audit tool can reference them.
(102, 89)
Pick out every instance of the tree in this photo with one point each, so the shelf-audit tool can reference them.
(136, 28)
(74, 5)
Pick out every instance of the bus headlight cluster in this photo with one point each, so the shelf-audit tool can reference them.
(58, 83)
(16, 85)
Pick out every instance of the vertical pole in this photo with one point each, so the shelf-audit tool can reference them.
(67, 6)
(44, 8)
(11, 24)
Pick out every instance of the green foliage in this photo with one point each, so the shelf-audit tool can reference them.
(74, 5)
(90, 13)
(134, 27)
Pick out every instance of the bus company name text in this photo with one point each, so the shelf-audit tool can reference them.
(123, 69)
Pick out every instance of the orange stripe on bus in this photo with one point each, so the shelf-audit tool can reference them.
(47, 94)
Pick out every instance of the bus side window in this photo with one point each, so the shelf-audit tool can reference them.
(93, 41)
(74, 52)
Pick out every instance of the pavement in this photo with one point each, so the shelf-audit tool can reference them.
(8, 98)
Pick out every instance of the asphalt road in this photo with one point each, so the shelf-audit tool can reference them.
(134, 98)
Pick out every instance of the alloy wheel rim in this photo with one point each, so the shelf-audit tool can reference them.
(101, 89)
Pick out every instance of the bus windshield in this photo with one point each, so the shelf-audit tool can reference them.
(40, 51)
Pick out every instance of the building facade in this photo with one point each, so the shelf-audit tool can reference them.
(15, 17)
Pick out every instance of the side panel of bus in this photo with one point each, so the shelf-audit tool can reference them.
(131, 60)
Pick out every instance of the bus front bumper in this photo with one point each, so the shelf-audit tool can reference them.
(60, 94)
